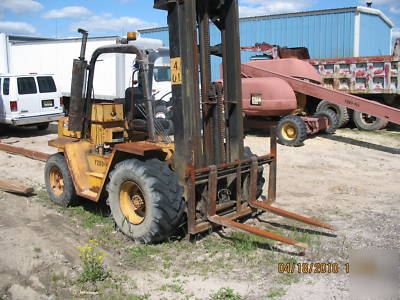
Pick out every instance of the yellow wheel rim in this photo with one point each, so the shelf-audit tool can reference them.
(132, 203)
(56, 181)
(289, 132)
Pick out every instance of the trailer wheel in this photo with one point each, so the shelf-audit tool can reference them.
(341, 112)
(368, 122)
(292, 131)
(332, 120)
(260, 178)
(145, 199)
(59, 184)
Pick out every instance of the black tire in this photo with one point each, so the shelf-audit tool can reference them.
(368, 122)
(160, 192)
(295, 124)
(332, 120)
(342, 113)
(43, 126)
(260, 178)
(57, 163)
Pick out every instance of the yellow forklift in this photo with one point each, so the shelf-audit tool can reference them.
(205, 177)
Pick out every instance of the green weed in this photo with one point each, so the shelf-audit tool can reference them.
(225, 294)
(92, 260)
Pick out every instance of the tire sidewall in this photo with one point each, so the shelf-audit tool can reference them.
(68, 195)
(300, 128)
(121, 176)
(360, 123)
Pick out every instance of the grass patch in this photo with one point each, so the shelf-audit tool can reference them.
(37, 250)
(88, 219)
(173, 287)
(225, 294)
(375, 132)
(142, 297)
(276, 292)
(243, 241)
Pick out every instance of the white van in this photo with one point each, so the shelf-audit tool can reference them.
(29, 100)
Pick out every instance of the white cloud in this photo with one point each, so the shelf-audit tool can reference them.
(394, 10)
(106, 24)
(17, 28)
(249, 8)
(68, 12)
(20, 6)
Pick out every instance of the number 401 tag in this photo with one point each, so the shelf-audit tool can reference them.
(176, 70)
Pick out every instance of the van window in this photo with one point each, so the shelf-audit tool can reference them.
(46, 84)
(26, 85)
(6, 86)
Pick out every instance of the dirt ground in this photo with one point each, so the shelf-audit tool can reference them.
(349, 180)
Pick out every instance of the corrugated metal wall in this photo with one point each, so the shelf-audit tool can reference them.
(374, 39)
(327, 34)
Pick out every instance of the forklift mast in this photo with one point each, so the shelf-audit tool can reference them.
(205, 137)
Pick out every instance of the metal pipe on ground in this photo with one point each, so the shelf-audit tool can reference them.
(24, 152)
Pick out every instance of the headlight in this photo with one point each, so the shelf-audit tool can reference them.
(256, 99)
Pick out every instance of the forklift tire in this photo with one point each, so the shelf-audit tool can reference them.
(260, 177)
(42, 126)
(332, 120)
(292, 131)
(367, 122)
(342, 113)
(58, 180)
(146, 200)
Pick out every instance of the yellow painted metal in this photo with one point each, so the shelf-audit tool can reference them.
(98, 163)
(56, 181)
(176, 70)
(108, 133)
(76, 155)
(301, 104)
(289, 131)
(63, 129)
(132, 202)
(107, 112)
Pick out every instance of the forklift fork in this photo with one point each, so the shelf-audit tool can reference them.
(252, 202)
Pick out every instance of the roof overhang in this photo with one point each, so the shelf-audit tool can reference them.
(373, 11)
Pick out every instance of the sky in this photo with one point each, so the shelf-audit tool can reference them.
(61, 18)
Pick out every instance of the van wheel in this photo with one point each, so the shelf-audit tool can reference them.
(146, 200)
(43, 126)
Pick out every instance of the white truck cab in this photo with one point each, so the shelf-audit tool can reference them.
(30, 99)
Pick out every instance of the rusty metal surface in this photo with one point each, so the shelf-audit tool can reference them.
(138, 148)
(25, 152)
(262, 233)
(315, 124)
(361, 75)
(60, 142)
(350, 101)
(291, 215)
(276, 51)
(272, 166)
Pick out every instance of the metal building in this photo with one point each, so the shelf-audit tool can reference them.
(344, 32)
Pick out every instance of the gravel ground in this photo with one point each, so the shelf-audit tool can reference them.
(349, 180)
